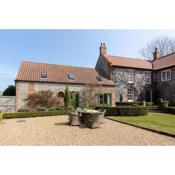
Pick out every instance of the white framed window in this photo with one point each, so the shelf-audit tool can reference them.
(130, 76)
(148, 77)
(166, 75)
(130, 95)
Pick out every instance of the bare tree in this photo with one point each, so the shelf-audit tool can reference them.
(88, 95)
(164, 44)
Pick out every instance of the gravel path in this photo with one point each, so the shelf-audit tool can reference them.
(55, 131)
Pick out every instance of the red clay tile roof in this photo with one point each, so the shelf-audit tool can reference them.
(129, 62)
(30, 71)
(163, 62)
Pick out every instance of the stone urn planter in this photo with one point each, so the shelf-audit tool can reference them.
(165, 104)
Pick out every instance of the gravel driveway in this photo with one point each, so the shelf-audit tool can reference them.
(55, 131)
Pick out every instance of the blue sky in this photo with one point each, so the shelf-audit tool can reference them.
(69, 47)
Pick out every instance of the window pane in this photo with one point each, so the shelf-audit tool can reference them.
(130, 76)
(168, 75)
(148, 77)
(105, 98)
(130, 94)
(101, 99)
(109, 99)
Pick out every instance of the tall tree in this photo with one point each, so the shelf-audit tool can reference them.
(10, 91)
(164, 44)
(66, 97)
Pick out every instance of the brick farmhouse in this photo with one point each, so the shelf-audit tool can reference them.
(115, 79)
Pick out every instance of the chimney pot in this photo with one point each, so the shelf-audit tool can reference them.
(156, 54)
(103, 49)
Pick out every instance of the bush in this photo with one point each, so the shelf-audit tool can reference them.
(1, 116)
(170, 110)
(34, 114)
(149, 104)
(41, 108)
(70, 108)
(56, 108)
(23, 110)
(125, 110)
(128, 103)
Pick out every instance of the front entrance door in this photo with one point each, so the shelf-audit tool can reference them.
(74, 99)
(149, 95)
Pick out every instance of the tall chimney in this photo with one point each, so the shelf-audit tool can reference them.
(103, 49)
(156, 54)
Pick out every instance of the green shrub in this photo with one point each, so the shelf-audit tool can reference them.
(23, 110)
(128, 103)
(66, 97)
(149, 104)
(125, 110)
(1, 116)
(34, 114)
(41, 108)
(70, 108)
(170, 110)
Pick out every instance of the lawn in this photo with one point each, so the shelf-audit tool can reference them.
(157, 121)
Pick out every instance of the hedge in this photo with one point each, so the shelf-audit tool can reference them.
(170, 110)
(128, 103)
(34, 114)
(1, 116)
(125, 110)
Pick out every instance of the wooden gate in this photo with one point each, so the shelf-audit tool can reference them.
(7, 103)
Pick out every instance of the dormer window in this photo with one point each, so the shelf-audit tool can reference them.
(98, 78)
(43, 74)
(71, 77)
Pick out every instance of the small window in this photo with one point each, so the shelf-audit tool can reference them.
(61, 94)
(130, 95)
(71, 77)
(148, 77)
(98, 78)
(166, 75)
(43, 74)
(130, 76)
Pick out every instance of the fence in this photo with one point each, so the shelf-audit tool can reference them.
(7, 103)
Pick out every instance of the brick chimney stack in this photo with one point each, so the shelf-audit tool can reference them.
(156, 54)
(103, 49)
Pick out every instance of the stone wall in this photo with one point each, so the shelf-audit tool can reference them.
(7, 103)
(25, 88)
(165, 89)
(122, 84)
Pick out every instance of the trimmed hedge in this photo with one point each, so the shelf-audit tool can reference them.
(149, 104)
(1, 116)
(34, 114)
(125, 110)
(128, 103)
(170, 110)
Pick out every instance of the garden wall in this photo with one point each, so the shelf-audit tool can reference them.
(7, 103)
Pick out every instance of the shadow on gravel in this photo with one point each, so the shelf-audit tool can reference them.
(62, 124)
(20, 121)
